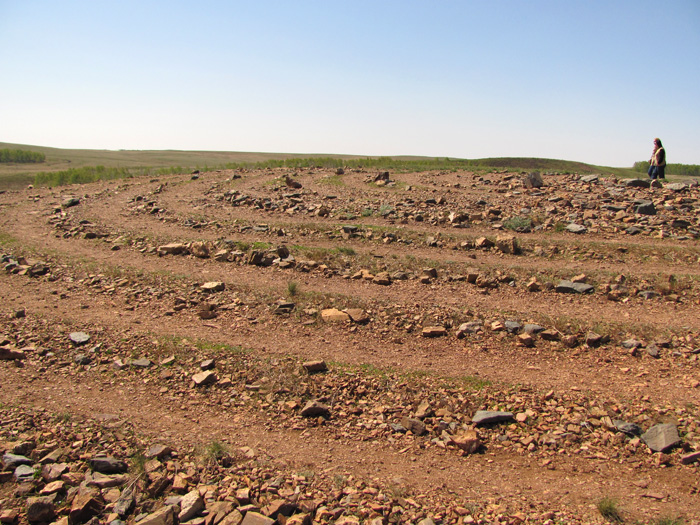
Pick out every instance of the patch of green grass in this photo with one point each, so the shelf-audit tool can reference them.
(6, 239)
(209, 346)
(260, 245)
(344, 250)
(518, 224)
(311, 252)
(386, 209)
(416, 374)
(292, 288)
(473, 382)
(667, 521)
(16, 181)
(366, 212)
(610, 510)
(242, 245)
(332, 180)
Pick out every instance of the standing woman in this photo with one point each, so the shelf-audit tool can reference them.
(657, 168)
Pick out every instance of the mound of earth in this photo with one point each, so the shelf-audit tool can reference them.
(313, 346)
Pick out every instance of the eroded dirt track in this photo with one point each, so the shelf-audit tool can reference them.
(430, 298)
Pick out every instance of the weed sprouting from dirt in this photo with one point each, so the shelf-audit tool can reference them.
(307, 474)
(214, 452)
(517, 223)
(610, 509)
(339, 480)
(292, 288)
(667, 521)
(138, 464)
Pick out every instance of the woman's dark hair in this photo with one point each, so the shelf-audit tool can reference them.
(658, 141)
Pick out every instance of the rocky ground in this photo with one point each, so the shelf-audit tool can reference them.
(311, 346)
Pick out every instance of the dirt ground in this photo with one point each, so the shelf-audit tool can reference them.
(415, 289)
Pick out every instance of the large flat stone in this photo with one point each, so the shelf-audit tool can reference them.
(487, 417)
(163, 516)
(571, 287)
(255, 518)
(108, 465)
(11, 461)
(661, 438)
(333, 315)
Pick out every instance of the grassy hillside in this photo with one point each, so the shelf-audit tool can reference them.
(74, 163)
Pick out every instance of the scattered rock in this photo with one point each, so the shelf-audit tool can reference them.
(637, 183)
(11, 354)
(255, 518)
(357, 315)
(200, 250)
(190, 505)
(86, 505)
(576, 228)
(175, 248)
(205, 378)
(572, 287)
(213, 286)
(468, 441)
(434, 331)
(163, 516)
(413, 425)
(11, 461)
(41, 509)
(488, 417)
(141, 363)
(593, 339)
(533, 180)
(79, 338)
(24, 473)
(108, 465)
(69, 202)
(207, 364)
(315, 408)
(687, 459)
(645, 208)
(628, 428)
(316, 366)
(653, 350)
(333, 315)
(206, 311)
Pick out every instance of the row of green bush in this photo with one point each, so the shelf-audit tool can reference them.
(21, 156)
(94, 173)
(692, 170)
(380, 163)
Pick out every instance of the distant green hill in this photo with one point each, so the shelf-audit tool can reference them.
(63, 166)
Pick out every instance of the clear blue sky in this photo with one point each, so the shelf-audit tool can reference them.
(593, 81)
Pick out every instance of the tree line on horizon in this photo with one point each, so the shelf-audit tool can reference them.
(692, 170)
(21, 156)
